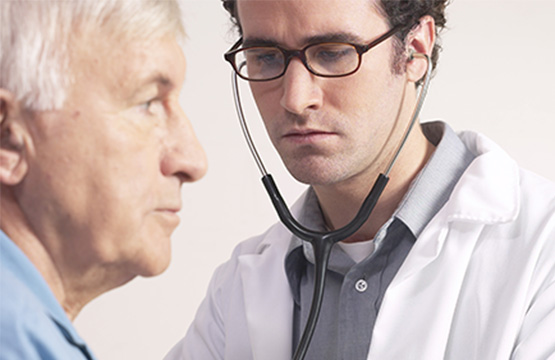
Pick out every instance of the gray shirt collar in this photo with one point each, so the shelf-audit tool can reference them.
(433, 186)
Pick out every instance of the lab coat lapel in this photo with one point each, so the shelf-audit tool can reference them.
(420, 303)
(419, 308)
(267, 296)
(268, 304)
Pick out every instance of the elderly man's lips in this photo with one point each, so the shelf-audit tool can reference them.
(170, 215)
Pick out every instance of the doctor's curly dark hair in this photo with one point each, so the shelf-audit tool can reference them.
(396, 11)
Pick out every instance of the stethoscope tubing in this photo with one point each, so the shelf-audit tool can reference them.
(322, 242)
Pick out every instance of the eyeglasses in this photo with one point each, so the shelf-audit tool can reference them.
(326, 59)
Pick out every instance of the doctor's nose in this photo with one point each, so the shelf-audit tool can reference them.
(300, 89)
(185, 157)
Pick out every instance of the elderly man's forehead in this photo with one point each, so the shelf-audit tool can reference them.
(126, 66)
(93, 47)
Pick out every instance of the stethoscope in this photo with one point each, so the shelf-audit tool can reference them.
(322, 242)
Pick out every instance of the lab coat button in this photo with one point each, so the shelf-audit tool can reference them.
(361, 285)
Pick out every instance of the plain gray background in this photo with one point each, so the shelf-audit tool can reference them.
(496, 76)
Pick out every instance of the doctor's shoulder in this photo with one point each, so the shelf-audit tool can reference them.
(536, 217)
(532, 225)
(534, 228)
(537, 200)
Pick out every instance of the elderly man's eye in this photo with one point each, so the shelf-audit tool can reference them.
(152, 106)
(146, 105)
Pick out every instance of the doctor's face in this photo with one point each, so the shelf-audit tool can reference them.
(107, 169)
(326, 130)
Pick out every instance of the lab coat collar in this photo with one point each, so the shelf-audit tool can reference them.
(488, 192)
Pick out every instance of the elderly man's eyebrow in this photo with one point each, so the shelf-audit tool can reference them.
(159, 79)
(320, 38)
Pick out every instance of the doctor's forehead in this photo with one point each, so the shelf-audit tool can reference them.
(269, 20)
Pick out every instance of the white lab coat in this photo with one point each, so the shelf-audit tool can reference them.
(479, 282)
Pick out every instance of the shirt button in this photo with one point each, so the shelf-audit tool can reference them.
(361, 285)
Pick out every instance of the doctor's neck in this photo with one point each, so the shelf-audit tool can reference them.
(340, 202)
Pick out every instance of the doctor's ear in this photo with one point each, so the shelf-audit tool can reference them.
(421, 39)
(13, 140)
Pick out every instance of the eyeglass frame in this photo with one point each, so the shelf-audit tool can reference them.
(229, 55)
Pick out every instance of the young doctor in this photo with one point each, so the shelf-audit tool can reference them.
(457, 261)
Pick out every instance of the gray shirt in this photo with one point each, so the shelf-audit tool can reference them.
(354, 291)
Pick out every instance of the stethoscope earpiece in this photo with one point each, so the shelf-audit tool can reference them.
(412, 52)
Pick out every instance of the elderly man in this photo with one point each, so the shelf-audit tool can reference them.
(94, 150)
(457, 260)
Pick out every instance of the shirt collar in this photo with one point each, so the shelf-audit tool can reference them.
(311, 216)
(433, 185)
(17, 263)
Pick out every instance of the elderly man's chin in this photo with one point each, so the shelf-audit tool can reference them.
(154, 256)
(152, 260)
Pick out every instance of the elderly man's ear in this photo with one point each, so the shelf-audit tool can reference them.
(14, 139)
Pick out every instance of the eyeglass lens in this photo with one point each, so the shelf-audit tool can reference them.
(327, 59)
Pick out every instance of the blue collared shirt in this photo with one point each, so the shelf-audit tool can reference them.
(33, 324)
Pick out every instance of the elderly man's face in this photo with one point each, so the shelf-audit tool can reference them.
(107, 168)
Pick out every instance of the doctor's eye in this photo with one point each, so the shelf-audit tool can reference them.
(332, 54)
(263, 58)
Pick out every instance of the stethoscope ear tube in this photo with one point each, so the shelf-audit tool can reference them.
(283, 211)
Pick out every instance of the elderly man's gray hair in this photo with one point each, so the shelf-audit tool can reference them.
(35, 38)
